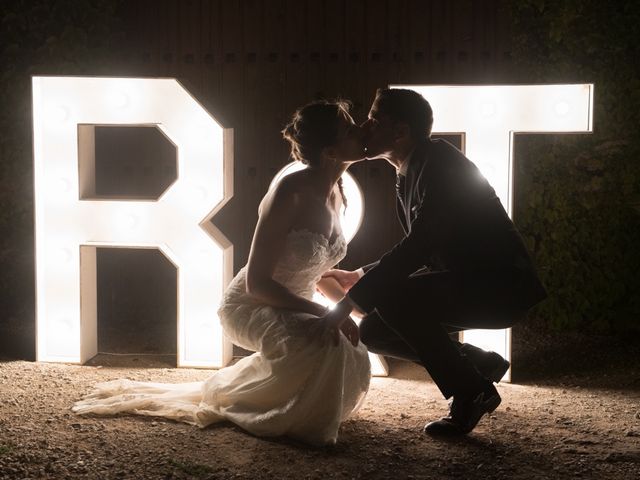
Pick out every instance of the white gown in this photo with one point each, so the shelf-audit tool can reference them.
(297, 384)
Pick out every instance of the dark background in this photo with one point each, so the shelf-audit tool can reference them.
(252, 62)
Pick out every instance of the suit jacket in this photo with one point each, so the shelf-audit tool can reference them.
(452, 221)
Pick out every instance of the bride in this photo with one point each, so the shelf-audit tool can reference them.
(306, 376)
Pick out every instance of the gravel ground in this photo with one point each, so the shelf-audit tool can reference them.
(569, 425)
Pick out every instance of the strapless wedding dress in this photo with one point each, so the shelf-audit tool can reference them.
(298, 383)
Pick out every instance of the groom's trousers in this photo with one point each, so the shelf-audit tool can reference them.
(414, 320)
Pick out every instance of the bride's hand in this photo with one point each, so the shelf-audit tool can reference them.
(339, 317)
(345, 325)
(351, 331)
(345, 278)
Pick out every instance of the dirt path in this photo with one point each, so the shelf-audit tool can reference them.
(562, 430)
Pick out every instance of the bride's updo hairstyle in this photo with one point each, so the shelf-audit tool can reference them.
(314, 127)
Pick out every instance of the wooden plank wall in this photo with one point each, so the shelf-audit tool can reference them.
(252, 62)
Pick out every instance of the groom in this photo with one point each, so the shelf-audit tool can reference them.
(462, 264)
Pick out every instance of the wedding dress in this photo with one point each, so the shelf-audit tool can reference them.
(298, 383)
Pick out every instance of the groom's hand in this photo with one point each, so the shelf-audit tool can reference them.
(345, 278)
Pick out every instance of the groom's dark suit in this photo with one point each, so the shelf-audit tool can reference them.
(462, 264)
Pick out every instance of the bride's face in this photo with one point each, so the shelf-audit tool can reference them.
(349, 146)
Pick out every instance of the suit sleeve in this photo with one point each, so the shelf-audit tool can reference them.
(427, 231)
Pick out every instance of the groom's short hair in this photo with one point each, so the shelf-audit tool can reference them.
(406, 106)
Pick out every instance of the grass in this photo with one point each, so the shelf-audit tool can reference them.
(6, 448)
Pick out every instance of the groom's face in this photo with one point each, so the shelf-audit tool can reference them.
(378, 133)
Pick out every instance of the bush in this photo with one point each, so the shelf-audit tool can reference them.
(578, 196)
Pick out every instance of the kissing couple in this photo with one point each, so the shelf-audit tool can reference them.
(461, 265)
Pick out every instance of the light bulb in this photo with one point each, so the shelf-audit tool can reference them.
(488, 109)
(58, 114)
(562, 108)
(119, 99)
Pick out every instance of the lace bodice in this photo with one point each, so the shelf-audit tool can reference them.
(306, 256)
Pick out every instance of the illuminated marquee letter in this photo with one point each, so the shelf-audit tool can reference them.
(71, 222)
(488, 117)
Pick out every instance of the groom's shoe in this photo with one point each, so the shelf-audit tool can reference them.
(465, 412)
(493, 366)
(490, 364)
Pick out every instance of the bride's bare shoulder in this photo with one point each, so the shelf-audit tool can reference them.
(296, 182)
(292, 188)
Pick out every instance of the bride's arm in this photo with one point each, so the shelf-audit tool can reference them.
(278, 211)
(331, 289)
